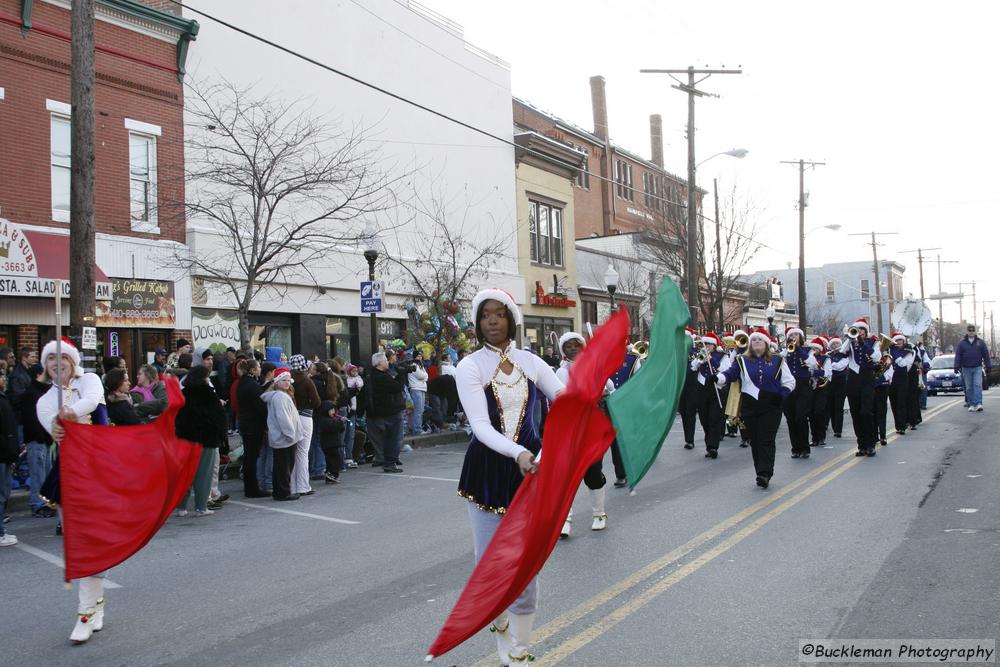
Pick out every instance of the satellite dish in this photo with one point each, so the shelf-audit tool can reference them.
(911, 317)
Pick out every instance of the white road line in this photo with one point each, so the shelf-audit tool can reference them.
(405, 476)
(294, 513)
(55, 560)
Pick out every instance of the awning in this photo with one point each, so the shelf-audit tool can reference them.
(31, 262)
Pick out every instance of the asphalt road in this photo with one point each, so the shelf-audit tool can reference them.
(700, 567)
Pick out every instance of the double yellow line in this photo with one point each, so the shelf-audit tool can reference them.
(826, 473)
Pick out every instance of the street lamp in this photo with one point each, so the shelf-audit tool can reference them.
(371, 255)
(738, 153)
(834, 227)
(611, 280)
(769, 314)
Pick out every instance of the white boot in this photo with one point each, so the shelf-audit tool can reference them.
(520, 629)
(505, 643)
(567, 526)
(600, 517)
(91, 590)
(99, 616)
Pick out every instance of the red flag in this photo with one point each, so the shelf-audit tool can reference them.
(577, 433)
(119, 484)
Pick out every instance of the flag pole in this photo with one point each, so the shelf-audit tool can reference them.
(59, 382)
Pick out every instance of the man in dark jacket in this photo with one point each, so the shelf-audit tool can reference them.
(9, 450)
(385, 406)
(971, 356)
(20, 378)
(253, 425)
(37, 439)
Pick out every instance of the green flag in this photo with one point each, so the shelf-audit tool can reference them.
(643, 409)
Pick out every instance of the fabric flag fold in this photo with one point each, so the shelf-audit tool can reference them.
(577, 433)
(644, 408)
(119, 485)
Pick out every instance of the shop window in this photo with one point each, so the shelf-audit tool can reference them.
(545, 230)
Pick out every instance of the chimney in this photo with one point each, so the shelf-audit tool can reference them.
(656, 138)
(599, 102)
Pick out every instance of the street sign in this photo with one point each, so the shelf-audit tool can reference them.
(372, 292)
(89, 338)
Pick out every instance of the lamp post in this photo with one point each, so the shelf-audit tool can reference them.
(371, 255)
(611, 280)
(769, 314)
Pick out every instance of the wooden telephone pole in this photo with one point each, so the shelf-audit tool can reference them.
(802, 164)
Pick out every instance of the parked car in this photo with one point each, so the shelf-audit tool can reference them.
(993, 379)
(942, 376)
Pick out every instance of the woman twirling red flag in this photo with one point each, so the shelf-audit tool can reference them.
(577, 433)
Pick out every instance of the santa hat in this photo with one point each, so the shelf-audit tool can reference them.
(496, 294)
(729, 337)
(818, 344)
(711, 338)
(759, 334)
(284, 374)
(834, 343)
(738, 333)
(68, 350)
(794, 330)
(691, 333)
(862, 323)
(896, 336)
(567, 337)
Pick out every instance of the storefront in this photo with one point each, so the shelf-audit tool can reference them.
(539, 331)
(216, 330)
(137, 320)
(342, 337)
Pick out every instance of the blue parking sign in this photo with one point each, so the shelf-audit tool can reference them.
(371, 296)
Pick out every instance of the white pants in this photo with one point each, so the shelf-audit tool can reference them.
(300, 473)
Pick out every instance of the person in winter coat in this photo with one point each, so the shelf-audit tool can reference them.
(201, 420)
(306, 400)
(418, 393)
(9, 450)
(149, 395)
(385, 405)
(329, 425)
(37, 440)
(284, 431)
(118, 399)
(253, 422)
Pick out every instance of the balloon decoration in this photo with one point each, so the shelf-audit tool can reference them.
(438, 326)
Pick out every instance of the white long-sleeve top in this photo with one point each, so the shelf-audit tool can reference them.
(747, 384)
(847, 347)
(905, 361)
(724, 363)
(82, 397)
(418, 378)
(564, 371)
(472, 380)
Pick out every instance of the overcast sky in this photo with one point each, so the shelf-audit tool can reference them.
(894, 96)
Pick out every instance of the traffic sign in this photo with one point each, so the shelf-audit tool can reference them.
(372, 292)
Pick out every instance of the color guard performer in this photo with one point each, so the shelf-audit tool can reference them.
(819, 414)
(498, 385)
(838, 385)
(570, 345)
(688, 405)
(707, 362)
(802, 363)
(863, 356)
(765, 381)
(899, 386)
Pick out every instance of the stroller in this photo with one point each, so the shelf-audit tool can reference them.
(363, 452)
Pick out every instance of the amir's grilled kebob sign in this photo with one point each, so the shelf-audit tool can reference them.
(138, 303)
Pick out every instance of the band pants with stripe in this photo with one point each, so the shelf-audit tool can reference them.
(796, 408)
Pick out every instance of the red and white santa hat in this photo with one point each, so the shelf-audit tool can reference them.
(284, 374)
(711, 338)
(818, 344)
(567, 337)
(794, 330)
(759, 334)
(862, 323)
(68, 350)
(691, 333)
(835, 343)
(497, 294)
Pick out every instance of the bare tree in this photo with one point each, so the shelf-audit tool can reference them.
(280, 186)
(827, 318)
(443, 252)
(738, 225)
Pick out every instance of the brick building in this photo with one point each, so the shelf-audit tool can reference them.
(141, 50)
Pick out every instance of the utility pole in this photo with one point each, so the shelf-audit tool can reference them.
(975, 321)
(878, 288)
(920, 262)
(692, 225)
(802, 235)
(82, 295)
(941, 301)
(961, 301)
(718, 257)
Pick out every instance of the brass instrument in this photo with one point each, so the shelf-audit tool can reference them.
(641, 349)
(733, 402)
(853, 333)
(885, 343)
(791, 347)
(821, 382)
(742, 340)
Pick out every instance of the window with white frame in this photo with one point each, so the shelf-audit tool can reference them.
(142, 175)
(60, 166)
(583, 176)
(623, 177)
(545, 229)
(831, 294)
(865, 289)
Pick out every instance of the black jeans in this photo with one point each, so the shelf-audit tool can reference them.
(710, 415)
(880, 409)
(797, 407)
(861, 399)
(762, 417)
(838, 395)
(281, 475)
(252, 443)
(913, 416)
(383, 432)
(819, 416)
(616, 459)
(688, 407)
(898, 397)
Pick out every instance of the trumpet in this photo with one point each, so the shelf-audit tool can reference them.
(641, 349)
(742, 340)
(791, 347)
(853, 333)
